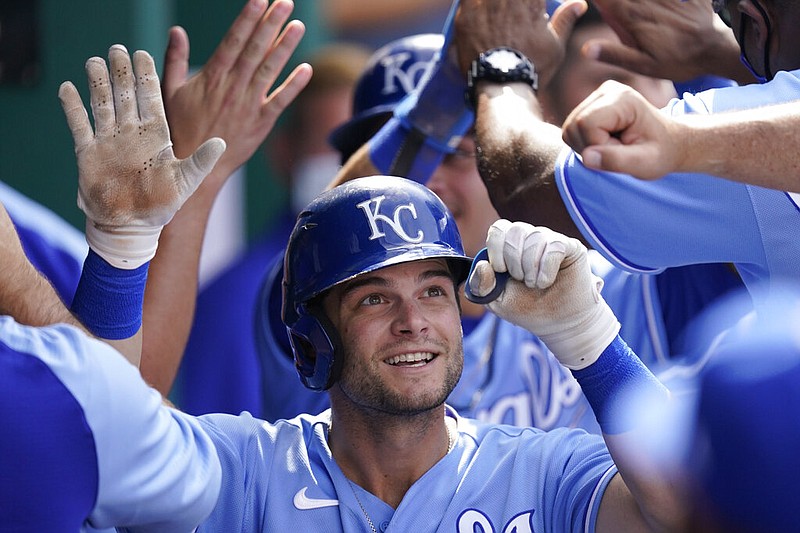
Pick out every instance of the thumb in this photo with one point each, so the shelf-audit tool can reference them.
(200, 164)
(176, 61)
(482, 280)
(565, 16)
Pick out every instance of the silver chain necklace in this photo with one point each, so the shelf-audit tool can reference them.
(450, 442)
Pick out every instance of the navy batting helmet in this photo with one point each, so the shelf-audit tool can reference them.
(355, 228)
(392, 72)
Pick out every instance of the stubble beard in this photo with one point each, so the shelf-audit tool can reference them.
(367, 390)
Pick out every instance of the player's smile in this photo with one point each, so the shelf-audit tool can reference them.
(415, 359)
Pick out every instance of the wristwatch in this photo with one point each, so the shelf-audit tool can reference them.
(500, 65)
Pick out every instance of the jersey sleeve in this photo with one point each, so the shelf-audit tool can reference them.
(646, 226)
(157, 469)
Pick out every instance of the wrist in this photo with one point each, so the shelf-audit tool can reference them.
(614, 383)
(109, 300)
(582, 343)
(124, 249)
(500, 65)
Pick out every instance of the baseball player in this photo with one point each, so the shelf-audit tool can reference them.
(526, 387)
(645, 227)
(377, 322)
(509, 375)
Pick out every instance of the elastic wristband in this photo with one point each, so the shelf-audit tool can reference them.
(108, 300)
(397, 150)
(615, 384)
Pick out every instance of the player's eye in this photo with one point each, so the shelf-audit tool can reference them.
(435, 291)
(372, 299)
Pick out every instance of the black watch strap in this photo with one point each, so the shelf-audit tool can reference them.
(500, 65)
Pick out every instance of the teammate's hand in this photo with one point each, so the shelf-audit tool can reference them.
(668, 39)
(551, 291)
(522, 25)
(232, 95)
(130, 182)
(617, 130)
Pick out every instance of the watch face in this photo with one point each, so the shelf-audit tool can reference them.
(504, 60)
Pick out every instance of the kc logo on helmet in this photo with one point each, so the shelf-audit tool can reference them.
(394, 74)
(372, 209)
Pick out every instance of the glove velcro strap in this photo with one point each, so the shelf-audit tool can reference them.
(615, 382)
(108, 300)
(125, 250)
(582, 343)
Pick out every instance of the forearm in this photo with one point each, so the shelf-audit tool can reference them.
(358, 166)
(171, 292)
(747, 146)
(517, 151)
(614, 384)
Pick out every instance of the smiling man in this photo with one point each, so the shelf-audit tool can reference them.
(371, 278)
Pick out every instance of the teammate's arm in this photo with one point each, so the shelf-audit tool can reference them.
(24, 293)
(616, 130)
(517, 148)
(231, 97)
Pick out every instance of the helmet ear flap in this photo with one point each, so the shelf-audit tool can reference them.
(316, 343)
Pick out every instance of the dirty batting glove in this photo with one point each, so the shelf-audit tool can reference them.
(130, 182)
(551, 291)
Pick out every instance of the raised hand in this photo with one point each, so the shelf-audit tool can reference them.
(673, 39)
(130, 182)
(520, 24)
(232, 95)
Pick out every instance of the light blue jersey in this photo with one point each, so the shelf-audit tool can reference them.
(683, 219)
(282, 477)
(106, 451)
(87, 443)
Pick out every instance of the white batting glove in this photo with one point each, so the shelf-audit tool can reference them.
(130, 182)
(551, 291)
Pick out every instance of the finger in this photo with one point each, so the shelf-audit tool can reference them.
(495, 243)
(122, 85)
(565, 16)
(102, 101)
(618, 54)
(553, 254)
(200, 164)
(273, 63)
(532, 252)
(256, 63)
(148, 91)
(630, 159)
(514, 251)
(229, 50)
(482, 281)
(285, 94)
(77, 117)
(176, 61)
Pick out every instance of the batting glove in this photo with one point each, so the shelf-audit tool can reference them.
(130, 182)
(551, 290)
